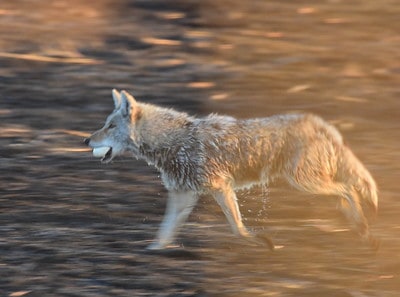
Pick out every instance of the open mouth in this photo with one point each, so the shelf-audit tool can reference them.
(108, 156)
(104, 152)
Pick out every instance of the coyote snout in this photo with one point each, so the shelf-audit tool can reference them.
(219, 154)
(105, 152)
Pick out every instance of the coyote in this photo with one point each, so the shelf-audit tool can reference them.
(218, 154)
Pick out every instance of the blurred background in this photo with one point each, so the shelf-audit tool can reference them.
(70, 226)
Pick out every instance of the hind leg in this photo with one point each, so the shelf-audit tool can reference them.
(349, 203)
(309, 179)
(318, 168)
(350, 206)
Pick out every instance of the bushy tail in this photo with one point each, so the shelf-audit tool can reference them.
(360, 189)
(361, 180)
(367, 189)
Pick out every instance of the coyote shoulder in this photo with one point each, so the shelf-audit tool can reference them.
(219, 154)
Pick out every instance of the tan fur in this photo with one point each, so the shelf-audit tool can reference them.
(218, 154)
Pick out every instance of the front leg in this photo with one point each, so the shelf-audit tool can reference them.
(227, 200)
(179, 206)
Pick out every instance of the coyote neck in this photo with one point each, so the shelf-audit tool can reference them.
(161, 132)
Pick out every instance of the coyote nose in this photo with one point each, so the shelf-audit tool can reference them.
(86, 141)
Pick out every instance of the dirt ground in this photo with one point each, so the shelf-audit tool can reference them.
(70, 226)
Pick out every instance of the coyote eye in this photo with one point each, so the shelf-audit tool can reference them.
(111, 126)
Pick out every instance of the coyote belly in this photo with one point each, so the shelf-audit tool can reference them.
(218, 154)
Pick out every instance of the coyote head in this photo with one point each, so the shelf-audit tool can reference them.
(118, 134)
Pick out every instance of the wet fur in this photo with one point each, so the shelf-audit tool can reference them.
(219, 154)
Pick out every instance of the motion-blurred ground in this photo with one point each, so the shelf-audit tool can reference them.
(70, 226)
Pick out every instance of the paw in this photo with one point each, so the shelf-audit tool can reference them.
(266, 241)
(373, 242)
(155, 246)
(261, 239)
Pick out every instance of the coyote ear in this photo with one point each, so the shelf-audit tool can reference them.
(129, 107)
(117, 98)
